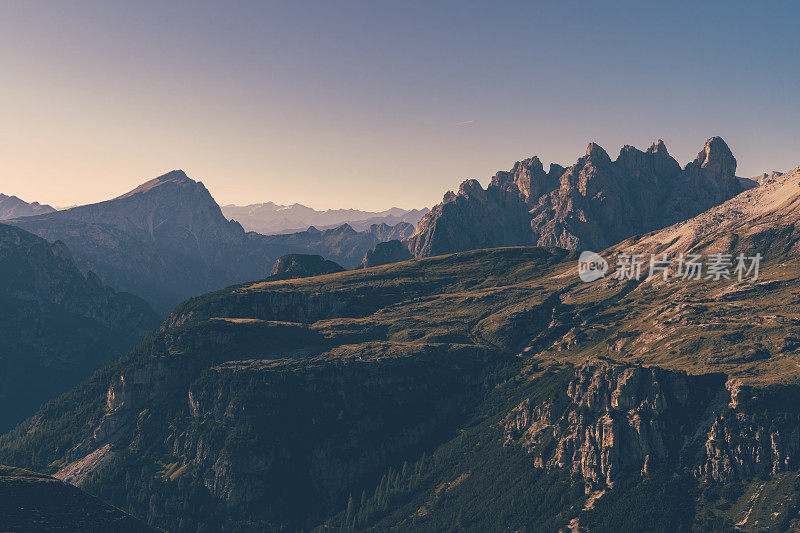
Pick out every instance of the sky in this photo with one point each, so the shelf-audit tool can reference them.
(377, 104)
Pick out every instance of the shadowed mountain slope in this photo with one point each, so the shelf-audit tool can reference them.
(57, 325)
(33, 502)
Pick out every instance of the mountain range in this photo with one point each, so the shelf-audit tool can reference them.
(168, 240)
(592, 204)
(269, 218)
(489, 388)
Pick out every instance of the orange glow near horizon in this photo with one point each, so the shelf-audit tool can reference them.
(373, 107)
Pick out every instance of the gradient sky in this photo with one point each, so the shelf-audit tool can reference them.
(377, 104)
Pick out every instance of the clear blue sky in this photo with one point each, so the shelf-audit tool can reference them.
(375, 104)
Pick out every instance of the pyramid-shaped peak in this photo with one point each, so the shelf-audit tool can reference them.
(177, 177)
(716, 156)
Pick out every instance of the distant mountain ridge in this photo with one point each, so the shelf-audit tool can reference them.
(168, 240)
(590, 205)
(13, 207)
(270, 218)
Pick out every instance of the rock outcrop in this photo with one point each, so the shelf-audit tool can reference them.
(593, 204)
(292, 266)
(617, 419)
(383, 232)
(384, 253)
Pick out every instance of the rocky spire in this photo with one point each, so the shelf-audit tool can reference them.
(596, 152)
(716, 158)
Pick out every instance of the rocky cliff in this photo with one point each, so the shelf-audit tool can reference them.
(614, 420)
(592, 204)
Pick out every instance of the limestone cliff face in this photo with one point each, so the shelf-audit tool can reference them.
(593, 204)
(616, 419)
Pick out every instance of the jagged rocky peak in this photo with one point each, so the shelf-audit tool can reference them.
(593, 204)
(596, 153)
(655, 161)
(526, 176)
(344, 229)
(470, 187)
(384, 232)
(716, 158)
(658, 147)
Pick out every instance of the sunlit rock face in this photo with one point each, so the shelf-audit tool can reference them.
(592, 204)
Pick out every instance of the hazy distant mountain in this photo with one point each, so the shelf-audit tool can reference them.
(168, 240)
(13, 207)
(343, 244)
(57, 325)
(271, 218)
(592, 204)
